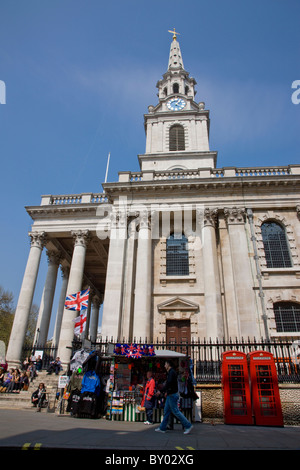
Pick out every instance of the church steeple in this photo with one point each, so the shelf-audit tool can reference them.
(175, 58)
(176, 80)
(177, 128)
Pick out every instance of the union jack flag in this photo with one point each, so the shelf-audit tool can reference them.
(78, 301)
(133, 350)
(137, 353)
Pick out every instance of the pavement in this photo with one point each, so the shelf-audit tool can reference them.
(29, 430)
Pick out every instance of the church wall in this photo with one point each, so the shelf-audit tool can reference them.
(166, 288)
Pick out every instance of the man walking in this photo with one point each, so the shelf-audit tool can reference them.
(171, 405)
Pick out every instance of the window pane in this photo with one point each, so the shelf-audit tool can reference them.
(275, 244)
(287, 316)
(177, 256)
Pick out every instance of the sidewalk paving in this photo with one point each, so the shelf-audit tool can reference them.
(21, 429)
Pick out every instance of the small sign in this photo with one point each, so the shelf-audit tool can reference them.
(63, 381)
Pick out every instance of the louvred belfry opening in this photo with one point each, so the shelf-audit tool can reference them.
(176, 137)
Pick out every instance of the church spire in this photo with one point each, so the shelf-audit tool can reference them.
(175, 58)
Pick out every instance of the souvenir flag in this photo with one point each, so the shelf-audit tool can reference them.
(137, 353)
(80, 323)
(78, 301)
(133, 350)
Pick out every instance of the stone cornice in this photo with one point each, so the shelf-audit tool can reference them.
(214, 186)
(204, 183)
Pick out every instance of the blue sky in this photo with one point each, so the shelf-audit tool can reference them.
(80, 74)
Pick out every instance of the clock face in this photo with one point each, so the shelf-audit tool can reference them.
(176, 104)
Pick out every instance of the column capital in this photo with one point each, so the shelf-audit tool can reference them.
(38, 239)
(119, 218)
(144, 220)
(96, 301)
(81, 237)
(54, 257)
(210, 217)
(65, 271)
(235, 215)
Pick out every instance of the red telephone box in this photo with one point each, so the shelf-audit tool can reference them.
(264, 388)
(236, 388)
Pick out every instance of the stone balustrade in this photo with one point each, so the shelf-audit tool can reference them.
(129, 176)
(65, 199)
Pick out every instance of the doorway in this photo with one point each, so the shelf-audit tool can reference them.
(179, 334)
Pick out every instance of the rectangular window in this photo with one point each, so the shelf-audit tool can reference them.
(177, 256)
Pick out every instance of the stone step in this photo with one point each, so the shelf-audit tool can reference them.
(22, 400)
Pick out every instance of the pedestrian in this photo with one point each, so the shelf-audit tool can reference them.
(55, 366)
(39, 396)
(24, 381)
(171, 405)
(7, 380)
(38, 363)
(149, 397)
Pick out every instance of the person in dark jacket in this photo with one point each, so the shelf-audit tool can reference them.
(171, 405)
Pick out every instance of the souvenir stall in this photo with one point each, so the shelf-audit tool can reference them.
(86, 388)
(128, 371)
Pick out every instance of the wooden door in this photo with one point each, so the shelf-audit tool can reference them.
(179, 334)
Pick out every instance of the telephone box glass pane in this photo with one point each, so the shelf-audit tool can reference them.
(237, 390)
(265, 390)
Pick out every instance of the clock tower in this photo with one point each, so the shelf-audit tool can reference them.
(177, 128)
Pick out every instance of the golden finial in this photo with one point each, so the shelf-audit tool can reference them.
(174, 34)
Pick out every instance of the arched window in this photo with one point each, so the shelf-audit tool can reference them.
(176, 138)
(287, 316)
(177, 255)
(276, 246)
(175, 88)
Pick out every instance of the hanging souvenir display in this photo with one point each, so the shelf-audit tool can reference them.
(135, 351)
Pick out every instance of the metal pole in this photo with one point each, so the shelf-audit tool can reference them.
(258, 275)
(107, 168)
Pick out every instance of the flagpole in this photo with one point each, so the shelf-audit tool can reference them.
(108, 158)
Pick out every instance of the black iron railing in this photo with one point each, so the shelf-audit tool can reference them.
(206, 355)
(48, 354)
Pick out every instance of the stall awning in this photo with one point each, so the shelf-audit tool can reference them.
(161, 353)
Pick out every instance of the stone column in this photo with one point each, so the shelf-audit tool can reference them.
(17, 337)
(126, 330)
(112, 305)
(81, 238)
(96, 302)
(143, 284)
(243, 281)
(43, 322)
(61, 305)
(231, 321)
(212, 289)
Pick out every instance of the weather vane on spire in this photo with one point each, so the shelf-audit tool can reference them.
(174, 34)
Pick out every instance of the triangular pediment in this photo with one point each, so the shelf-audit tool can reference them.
(178, 303)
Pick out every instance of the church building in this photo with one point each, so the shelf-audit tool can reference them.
(177, 251)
